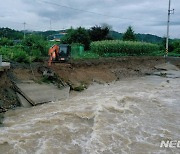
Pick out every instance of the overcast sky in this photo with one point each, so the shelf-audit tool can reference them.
(145, 16)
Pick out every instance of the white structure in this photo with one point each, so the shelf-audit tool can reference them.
(0, 60)
(4, 65)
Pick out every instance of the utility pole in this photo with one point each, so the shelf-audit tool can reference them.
(168, 22)
(24, 29)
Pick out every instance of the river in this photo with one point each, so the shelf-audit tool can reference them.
(128, 116)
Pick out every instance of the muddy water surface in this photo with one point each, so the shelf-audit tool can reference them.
(129, 116)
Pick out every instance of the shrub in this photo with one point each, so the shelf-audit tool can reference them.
(35, 43)
(20, 56)
(157, 53)
(123, 47)
(177, 50)
(176, 46)
(36, 55)
(14, 53)
(6, 52)
(6, 42)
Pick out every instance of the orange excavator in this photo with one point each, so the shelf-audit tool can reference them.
(59, 53)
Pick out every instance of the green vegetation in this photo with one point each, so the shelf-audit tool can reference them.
(87, 55)
(115, 54)
(98, 33)
(129, 35)
(77, 52)
(6, 42)
(15, 53)
(107, 43)
(123, 47)
(85, 37)
(33, 48)
(79, 35)
(10, 34)
(176, 46)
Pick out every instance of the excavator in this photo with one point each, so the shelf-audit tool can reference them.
(59, 53)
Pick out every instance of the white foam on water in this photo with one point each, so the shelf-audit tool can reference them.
(129, 116)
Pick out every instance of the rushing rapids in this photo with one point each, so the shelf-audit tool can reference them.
(128, 116)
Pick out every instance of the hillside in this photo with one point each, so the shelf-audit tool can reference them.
(140, 37)
(14, 34)
(149, 38)
(11, 33)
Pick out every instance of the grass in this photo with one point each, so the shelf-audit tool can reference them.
(174, 54)
(115, 55)
(86, 55)
(91, 55)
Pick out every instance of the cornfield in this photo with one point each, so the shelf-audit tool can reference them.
(123, 47)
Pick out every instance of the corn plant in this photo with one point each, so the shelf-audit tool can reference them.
(123, 47)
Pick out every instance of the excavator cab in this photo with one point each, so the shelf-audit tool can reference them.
(59, 53)
(64, 52)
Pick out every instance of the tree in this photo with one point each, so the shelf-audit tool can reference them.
(34, 44)
(129, 35)
(98, 33)
(79, 35)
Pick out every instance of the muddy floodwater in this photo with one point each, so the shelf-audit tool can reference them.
(128, 116)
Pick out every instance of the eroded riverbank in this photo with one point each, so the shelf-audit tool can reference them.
(78, 74)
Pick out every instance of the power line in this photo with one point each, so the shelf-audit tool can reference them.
(80, 10)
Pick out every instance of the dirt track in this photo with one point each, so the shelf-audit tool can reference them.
(78, 74)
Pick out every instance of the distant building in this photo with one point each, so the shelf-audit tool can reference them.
(56, 37)
(17, 41)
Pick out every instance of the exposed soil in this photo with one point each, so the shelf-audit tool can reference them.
(78, 74)
(104, 70)
(8, 97)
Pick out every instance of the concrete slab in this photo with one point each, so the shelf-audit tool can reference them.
(4, 66)
(168, 74)
(166, 67)
(42, 93)
(23, 101)
(167, 70)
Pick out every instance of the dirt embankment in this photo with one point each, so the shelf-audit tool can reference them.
(83, 72)
(78, 74)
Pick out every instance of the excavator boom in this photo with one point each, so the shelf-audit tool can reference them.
(53, 53)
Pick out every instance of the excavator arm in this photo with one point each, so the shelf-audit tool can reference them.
(53, 54)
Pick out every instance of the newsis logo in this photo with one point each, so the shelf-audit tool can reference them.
(170, 144)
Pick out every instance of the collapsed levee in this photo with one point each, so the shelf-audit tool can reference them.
(32, 94)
